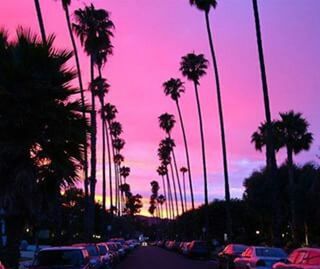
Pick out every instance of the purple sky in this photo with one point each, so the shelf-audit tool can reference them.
(151, 37)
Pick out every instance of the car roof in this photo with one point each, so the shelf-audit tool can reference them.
(308, 249)
(63, 248)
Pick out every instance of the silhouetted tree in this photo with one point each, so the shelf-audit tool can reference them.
(174, 88)
(206, 6)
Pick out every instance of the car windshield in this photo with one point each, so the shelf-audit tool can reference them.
(102, 249)
(239, 248)
(270, 252)
(59, 258)
(92, 250)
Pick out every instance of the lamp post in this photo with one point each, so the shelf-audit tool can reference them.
(3, 228)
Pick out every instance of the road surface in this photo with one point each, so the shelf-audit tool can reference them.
(157, 258)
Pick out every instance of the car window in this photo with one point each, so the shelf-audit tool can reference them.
(270, 252)
(102, 249)
(313, 258)
(239, 248)
(292, 257)
(59, 257)
(92, 250)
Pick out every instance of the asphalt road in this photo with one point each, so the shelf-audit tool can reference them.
(157, 258)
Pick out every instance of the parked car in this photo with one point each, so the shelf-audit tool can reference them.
(62, 257)
(114, 251)
(93, 252)
(259, 257)
(2, 266)
(198, 249)
(105, 256)
(301, 258)
(227, 256)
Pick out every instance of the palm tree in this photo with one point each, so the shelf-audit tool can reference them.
(37, 157)
(109, 112)
(295, 138)
(166, 122)
(194, 66)
(100, 89)
(40, 20)
(161, 200)
(174, 88)
(206, 6)
(65, 6)
(162, 171)
(124, 172)
(94, 28)
(270, 144)
(164, 154)
(184, 170)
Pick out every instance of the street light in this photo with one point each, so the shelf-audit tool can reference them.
(257, 232)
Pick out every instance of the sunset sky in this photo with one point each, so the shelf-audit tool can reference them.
(150, 38)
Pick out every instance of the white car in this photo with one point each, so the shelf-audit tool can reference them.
(259, 258)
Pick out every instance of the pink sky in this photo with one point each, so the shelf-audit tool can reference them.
(151, 37)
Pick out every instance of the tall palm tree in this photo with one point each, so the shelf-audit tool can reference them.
(101, 88)
(166, 122)
(109, 112)
(295, 137)
(164, 154)
(125, 172)
(193, 67)
(270, 146)
(174, 88)
(65, 6)
(40, 20)
(94, 28)
(162, 171)
(184, 170)
(206, 6)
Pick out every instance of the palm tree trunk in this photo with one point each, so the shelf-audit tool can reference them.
(187, 154)
(76, 55)
(178, 180)
(109, 166)
(171, 207)
(174, 189)
(222, 130)
(165, 195)
(41, 24)
(270, 150)
(184, 190)
(206, 200)
(292, 196)
(104, 193)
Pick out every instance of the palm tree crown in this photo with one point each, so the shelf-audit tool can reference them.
(173, 87)
(204, 5)
(193, 66)
(94, 28)
(166, 122)
(294, 131)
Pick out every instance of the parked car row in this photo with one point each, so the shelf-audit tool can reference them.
(237, 256)
(193, 249)
(103, 255)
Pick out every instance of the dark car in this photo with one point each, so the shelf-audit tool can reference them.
(94, 254)
(227, 256)
(62, 257)
(302, 258)
(199, 249)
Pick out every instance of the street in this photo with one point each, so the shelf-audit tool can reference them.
(157, 258)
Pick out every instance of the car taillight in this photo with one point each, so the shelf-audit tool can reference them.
(260, 263)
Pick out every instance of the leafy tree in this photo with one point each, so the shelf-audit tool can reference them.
(37, 157)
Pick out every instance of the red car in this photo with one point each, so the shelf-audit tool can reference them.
(301, 258)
